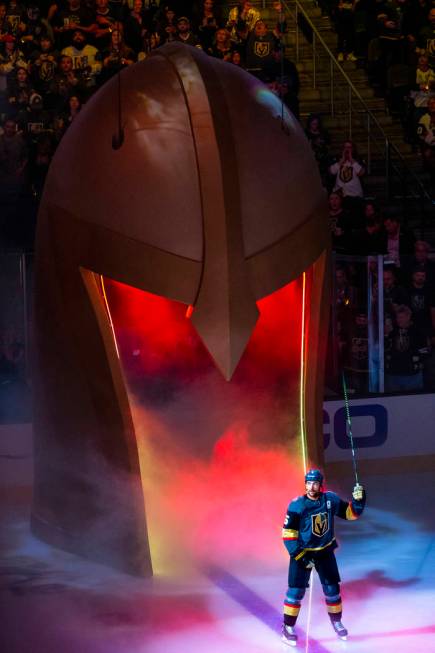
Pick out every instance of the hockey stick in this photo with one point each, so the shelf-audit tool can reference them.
(349, 428)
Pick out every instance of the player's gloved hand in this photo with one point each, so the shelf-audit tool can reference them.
(358, 492)
(309, 564)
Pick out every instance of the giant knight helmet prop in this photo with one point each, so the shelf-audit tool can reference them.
(212, 199)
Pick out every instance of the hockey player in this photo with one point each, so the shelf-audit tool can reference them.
(308, 535)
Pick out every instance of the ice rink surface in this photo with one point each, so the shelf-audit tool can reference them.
(54, 602)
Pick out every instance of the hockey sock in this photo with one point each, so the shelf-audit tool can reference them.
(291, 611)
(334, 607)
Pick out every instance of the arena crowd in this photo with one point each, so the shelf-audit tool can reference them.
(55, 54)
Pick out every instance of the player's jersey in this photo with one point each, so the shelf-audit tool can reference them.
(309, 525)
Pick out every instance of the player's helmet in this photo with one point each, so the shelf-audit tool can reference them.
(314, 475)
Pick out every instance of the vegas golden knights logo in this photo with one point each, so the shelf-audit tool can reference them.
(319, 523)
(261, 48)
(346, 173)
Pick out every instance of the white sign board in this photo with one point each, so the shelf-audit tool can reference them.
(382, 427)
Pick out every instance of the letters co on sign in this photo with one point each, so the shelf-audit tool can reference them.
(334, 426)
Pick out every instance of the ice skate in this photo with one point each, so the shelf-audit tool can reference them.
(339, 629)
(288, 635)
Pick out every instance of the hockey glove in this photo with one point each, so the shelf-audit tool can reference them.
(358, 492)
(309, 563)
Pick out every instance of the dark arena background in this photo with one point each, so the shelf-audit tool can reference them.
(192, 345)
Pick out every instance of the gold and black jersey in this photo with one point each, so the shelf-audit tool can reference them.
(309, 525)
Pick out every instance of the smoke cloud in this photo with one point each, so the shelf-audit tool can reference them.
(220, 460)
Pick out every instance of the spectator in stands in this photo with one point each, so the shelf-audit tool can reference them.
(72, 110)
(339, 223)
(319, 140)
(43, 64)
(399, 242)
(260, 46)
(222, 47)
(388, 328)
(424, 79)
(86, 58)
(137, 25)
(426, 39)
(16, 11)
(151, 41)
(387, 44)
(37, 118)
(11, 58)
(72, 15)
(345, 294)
(390, 34)
(283, 78)
(355, 352)
(261, 42)
(344, 25)
(421, 261)
(242, 20)
(167, 25)
(361, 28)
(236, 58)
(369, 240)
(32, 27)
(58, 127)
(405, 354)
(13, 159)
(281, 23)
(19, 91)
(422, 302)
(348, 172)
(104, 22)
(419, 96)
(207, 21)
(394, 295)
(344, 305)
(4, 23)
(66, 82)
(15, 14)
(371, 210)
(117, 57)
(184, 33)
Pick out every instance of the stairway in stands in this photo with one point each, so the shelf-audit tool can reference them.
(317, 100)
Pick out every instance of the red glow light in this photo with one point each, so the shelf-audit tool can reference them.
(221, 451)
(168, 343)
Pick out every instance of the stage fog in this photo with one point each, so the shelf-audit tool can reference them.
(218, 459)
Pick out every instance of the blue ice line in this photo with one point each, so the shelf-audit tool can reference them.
(424, 557)
(254, 603)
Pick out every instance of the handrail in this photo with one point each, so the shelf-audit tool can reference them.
(352, 89)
